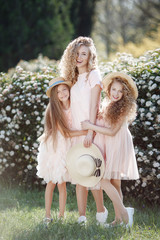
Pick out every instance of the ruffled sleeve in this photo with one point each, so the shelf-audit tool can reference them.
(95, 78)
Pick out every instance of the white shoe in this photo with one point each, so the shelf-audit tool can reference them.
(102, 217)
(82, 220)
(130, 212)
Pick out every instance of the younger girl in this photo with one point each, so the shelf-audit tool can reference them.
(120, 110)
(54, 144)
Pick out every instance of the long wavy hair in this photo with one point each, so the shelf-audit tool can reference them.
(55, 118)
(124, 108)
(67, 64)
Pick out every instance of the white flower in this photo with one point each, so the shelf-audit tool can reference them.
(140, 154)
(156, 164)
(4, 160)
(147, 123)
(150, 153)
(35, 145)
(43, 182)
(144, 184)
(1, 149)
(152, 109)
(139, 159)
(36, 113)
(148, 103)
(150, 145)
(27, 122)
(16, 126)
(7, 139)
(158, 102)
(13, 111)
(145, 138)
(27, 156)
(26, 148)
(11, 153)
(148, 94)
(158, 158)
(12, 164)
(8, 119)
(158, 176)
(157, 79)
(16, 147)
(148, 115)
(38, 118)
(29, 167)
(8, 108)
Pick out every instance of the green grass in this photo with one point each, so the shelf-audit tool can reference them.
(22, 212)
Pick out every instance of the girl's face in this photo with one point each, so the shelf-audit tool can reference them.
(82, 58)
(63, 93)
(116, 91)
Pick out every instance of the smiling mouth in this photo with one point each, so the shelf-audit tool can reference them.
(79, 62)
(115, 97)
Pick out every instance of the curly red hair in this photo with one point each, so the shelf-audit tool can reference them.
(124, 108)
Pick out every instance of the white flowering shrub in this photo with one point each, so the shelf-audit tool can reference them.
(23, 102)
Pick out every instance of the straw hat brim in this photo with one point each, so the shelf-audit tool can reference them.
(73, 154)
(110, 77)
(55, 82)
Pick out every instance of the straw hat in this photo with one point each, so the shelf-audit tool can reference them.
(85, 165)
(56, 81)
(110, 77)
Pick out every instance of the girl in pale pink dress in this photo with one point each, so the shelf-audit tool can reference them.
(79, 66)
(55, 143)
(119, 150)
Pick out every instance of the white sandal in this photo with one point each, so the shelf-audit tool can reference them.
(47, 220)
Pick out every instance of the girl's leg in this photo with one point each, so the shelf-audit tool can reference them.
(62, 198)
(117, 184)
(120, 211)
(82, 194)
(102, 213)
(48, 198)
(98, 197)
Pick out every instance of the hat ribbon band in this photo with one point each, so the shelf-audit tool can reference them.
(61, 81)
(98, 163)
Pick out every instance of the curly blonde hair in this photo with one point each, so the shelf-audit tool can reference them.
(124, 108)
(67, 65)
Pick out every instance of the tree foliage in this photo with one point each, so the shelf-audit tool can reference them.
(28, 28)
(119, 22)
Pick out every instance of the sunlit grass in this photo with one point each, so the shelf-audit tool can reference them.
(22, 213)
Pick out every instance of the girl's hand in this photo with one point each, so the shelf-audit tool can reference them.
(88, 139)
(85, 125)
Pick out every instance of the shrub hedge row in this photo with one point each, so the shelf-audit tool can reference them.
(23, 102)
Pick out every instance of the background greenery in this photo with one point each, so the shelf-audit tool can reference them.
(23, 102)
(28, 28)
(22, 213)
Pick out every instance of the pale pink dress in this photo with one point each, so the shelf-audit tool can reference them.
(52, 164)
(120, 156)
(81, 100)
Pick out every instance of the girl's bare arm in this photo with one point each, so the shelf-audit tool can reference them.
(95, 95)
(103, 130)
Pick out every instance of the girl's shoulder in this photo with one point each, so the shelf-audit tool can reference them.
(95, 78)
(95, 73)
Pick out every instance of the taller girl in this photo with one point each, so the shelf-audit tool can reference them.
(79, 66)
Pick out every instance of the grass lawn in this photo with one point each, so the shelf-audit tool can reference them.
(22, 212)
